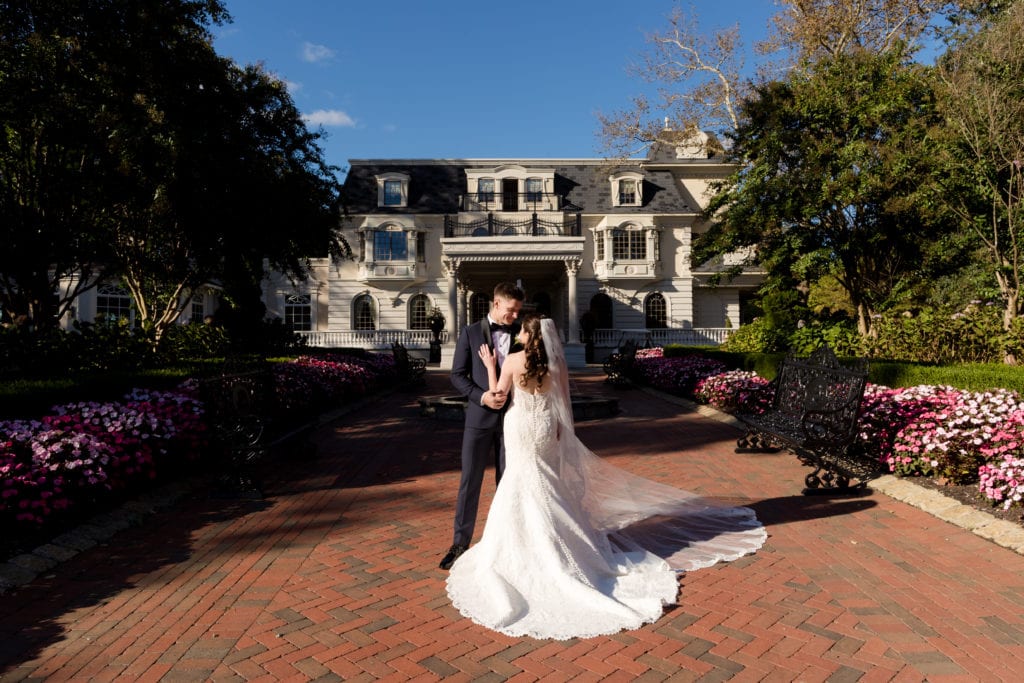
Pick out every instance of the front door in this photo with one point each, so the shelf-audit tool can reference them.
(510, 194)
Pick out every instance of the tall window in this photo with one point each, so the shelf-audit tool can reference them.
(629, 245)
(479, 304)
(298, 312)
(421, 247)
(655, 311)
(197, 311)
(113, 303)
(627, 192)
(419, 308)
(599, 245)
(534, 189)
(485, 190)
(363, 313)
(390, 245)
(392, 193)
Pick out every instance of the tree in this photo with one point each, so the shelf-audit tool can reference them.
(700, 82)
(60, 168)
(982, 178)
(825, 29)
(827, 178)
(700, 73)
(133, 151)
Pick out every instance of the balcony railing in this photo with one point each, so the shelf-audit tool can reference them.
(491, 226)
(371, 339)
(603, 338)
(695, 336)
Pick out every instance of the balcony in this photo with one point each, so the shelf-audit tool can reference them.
(530, 226)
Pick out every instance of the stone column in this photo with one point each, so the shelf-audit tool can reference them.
(451, 269)
(572, 268)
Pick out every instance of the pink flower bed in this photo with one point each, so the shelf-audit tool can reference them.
(83, 451)
(963, 436)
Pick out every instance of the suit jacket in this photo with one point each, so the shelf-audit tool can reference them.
(469, 374)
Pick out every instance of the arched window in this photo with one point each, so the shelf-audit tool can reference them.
(298, 312)
(655, 312)
(113, 303)
(364, 313)
(419, 309)
(601, 306)
(479, 304)
(629, 244)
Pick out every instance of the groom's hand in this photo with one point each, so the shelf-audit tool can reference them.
(495, 399)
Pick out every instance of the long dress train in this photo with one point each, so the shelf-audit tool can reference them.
(574, 547)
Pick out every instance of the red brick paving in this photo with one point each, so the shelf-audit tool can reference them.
(333, 576)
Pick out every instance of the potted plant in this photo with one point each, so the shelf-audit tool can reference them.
(436, 322)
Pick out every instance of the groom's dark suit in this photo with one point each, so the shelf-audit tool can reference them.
(482, 434)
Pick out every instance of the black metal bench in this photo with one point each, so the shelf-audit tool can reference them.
(814, 413)
(619, 366)
(238, 404)
(411, 370)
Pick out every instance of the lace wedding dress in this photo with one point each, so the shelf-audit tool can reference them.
(574, 547)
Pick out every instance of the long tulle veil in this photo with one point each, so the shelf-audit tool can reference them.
(639, 514)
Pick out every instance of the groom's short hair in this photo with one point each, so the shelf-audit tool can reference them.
(508, 290)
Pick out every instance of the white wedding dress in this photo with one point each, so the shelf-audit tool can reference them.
(574, 547)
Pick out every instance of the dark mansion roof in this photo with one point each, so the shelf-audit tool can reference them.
(436, 185)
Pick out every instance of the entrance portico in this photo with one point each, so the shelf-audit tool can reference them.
(546, 267)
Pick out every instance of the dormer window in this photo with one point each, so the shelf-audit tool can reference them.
(534, 189)
(627, 188)
(393, 190)
(485, 190)
(627, 192)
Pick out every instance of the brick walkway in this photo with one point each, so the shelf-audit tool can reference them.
(334, 576)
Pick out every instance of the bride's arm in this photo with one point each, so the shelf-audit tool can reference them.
(490, 360)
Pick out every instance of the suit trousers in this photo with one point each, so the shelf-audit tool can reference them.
(477, 445)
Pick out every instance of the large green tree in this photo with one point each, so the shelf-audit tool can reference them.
(828, 181)
(132, 150)
(981, 179)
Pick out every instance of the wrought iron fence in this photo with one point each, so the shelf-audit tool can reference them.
(491, 225)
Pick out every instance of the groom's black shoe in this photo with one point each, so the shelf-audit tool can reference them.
(453, 554)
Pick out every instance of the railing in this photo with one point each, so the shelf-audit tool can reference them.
(698, 336)
(490, 226)
(371, 339)
(603, 338)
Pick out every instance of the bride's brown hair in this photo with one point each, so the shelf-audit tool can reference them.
(536, 356)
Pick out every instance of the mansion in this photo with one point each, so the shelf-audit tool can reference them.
(601, 247)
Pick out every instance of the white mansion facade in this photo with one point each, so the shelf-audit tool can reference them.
(594, 245)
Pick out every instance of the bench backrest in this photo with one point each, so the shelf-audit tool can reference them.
(820, 383)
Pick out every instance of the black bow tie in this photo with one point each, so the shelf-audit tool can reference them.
(495, 327)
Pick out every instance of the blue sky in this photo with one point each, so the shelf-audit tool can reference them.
(459, 79)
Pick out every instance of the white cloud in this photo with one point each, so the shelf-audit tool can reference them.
(293, 86)
(330, 117)
(311, 52)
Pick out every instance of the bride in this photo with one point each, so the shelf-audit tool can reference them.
(575, 547)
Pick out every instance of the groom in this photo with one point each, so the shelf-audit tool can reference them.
(485, 410)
